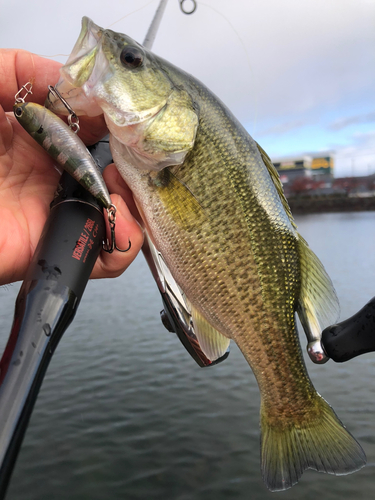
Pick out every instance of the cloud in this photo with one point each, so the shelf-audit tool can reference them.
(352, 120)
(359, 144)
(358, 157)
(282, 128)
(365, 138)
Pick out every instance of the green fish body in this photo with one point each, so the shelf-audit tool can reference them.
(214, 210)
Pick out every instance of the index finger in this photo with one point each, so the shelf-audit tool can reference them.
(18, 67)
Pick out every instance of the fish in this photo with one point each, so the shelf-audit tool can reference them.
(64, 146)
(222, 237)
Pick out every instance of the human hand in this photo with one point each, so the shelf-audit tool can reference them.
(28, 177)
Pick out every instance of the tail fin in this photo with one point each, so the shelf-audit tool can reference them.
(321, 443)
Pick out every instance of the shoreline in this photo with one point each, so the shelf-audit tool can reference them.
(321, 204)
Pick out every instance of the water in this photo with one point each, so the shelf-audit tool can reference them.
(125, 413)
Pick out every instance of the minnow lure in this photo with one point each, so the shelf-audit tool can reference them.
(61, 142)
(64, 146)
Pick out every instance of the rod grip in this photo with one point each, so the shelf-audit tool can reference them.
(352, 337)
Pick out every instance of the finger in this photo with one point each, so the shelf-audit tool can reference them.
(127, 230)
(6, 133)
(116, 184)
(18, 67)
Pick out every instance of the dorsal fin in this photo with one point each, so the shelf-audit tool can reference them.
(276, 180)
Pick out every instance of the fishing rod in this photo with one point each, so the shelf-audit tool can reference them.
(351, 337)
(46, 304)
(155, 23)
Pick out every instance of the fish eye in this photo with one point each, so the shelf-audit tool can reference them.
(131, 57)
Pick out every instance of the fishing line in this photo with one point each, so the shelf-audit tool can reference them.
(109, 26)
(255, 99)
(33, 77)
(133, 12)
(54, 55)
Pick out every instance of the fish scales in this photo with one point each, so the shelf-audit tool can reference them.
(213, 208)
(228, 220)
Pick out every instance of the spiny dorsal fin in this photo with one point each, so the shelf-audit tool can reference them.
(318, 303)
(276, 180)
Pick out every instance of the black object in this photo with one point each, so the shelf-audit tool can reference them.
(46, 304)
(352, 337)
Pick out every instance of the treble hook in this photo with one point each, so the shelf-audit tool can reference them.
(188, 11)
(74, 125)
(111, 246)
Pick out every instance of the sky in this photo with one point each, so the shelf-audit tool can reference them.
(298, 74)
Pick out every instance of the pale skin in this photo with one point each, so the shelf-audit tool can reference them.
(28, 177)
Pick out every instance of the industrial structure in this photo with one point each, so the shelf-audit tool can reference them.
(309, 178)
(317, 166)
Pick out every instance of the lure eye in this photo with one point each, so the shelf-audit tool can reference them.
(131, 57)
(18, 112)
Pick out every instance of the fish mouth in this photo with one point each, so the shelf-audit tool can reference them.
(80, 74)
(85, 82)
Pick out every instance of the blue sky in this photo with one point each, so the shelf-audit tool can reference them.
(299, 74)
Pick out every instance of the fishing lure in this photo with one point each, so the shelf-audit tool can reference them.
(62, 143)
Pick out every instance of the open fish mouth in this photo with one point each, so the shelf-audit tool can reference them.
(87, 81)
(78, 76)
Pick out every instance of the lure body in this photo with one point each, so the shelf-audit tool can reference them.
(64, 146)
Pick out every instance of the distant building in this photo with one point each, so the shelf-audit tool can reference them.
(318, 166)
(360, 186)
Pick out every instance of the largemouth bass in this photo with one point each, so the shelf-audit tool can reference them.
(215, 215)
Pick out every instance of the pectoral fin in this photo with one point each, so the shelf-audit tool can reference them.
(178, 200)
(213, 344)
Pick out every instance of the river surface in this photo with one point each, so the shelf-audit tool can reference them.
(125, 413)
